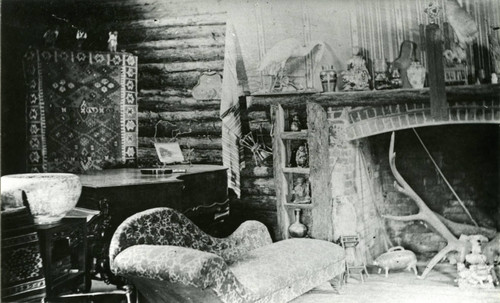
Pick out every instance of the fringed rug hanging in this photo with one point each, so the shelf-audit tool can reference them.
(81, 110)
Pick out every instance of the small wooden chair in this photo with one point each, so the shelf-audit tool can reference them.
(349, 244)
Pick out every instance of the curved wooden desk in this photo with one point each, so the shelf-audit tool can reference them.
(200, 193)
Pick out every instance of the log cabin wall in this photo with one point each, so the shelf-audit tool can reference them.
(176, 41)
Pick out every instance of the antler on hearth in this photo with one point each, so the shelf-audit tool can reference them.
(424, 214)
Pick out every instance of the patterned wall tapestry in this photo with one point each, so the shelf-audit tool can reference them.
(81, 110)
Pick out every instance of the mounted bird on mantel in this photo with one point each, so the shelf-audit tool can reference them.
(462, 22)
(276, 58)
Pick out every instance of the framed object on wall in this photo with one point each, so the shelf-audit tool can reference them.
(81, 110)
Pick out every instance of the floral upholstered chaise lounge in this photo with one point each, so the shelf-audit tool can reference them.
(169, 259)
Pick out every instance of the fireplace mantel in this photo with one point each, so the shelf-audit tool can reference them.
(462, 93)
(368, 113)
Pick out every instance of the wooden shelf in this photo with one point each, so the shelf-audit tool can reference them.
(459, 93)
(294, 135)
(296, 170)
(298, 205)
(290, 93)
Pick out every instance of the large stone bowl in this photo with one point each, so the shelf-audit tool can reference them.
(49, 195)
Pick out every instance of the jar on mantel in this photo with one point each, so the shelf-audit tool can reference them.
(416, 74)
(328, 78)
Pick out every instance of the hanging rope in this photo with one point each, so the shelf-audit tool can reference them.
(444, 178)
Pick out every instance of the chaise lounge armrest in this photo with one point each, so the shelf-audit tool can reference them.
(179, 265)
(164, 226)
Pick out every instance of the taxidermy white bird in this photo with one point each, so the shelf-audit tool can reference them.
(275, 59)
(463, 23)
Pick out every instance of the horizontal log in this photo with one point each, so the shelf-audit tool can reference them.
(253, 171)
(198, 115)
(212, 156)
(178, 79)
(163, 68)
(169, 33)
(167, 129)
(381, 97)
(217, 18)
(179, 55)
(264, 126)
(200, 142)
(130, 10)
(258, 115)
(183, 92)
(175, 104)
(257, 186)
(204, 42)
(255, 203)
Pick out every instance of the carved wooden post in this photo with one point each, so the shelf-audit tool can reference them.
(320, 177)
(434, 43)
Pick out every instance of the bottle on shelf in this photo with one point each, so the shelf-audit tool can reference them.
(297, 229)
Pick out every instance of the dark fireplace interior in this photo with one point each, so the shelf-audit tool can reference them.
(469, 158)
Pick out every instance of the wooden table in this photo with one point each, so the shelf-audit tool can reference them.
(200, 193)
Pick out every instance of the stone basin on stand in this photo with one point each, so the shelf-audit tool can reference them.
(49, 195)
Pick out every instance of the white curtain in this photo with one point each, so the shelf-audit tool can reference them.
(230, 111)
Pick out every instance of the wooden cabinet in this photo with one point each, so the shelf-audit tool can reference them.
(290, 169)
(22, 268)
(64, 255)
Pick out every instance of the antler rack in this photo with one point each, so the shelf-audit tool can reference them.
(425, 214)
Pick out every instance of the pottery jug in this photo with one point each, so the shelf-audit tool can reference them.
(297, 229)
(416, 75)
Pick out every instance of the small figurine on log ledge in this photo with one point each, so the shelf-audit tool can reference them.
(50, 36)
(113, 41)
(81, 36)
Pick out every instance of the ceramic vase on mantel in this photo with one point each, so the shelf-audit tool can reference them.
(416, 74)
(297, 229)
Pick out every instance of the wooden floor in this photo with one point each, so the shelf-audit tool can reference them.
(402, 287)
(399, 287)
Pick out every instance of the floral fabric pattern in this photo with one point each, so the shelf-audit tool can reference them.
(165, 226)
(161, 244)
(182, 265)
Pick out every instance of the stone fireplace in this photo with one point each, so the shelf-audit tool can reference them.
(352, 181)
(466, 149)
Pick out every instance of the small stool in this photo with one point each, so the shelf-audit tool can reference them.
(349, 244)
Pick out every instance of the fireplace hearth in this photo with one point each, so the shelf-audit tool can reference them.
(468, 156)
